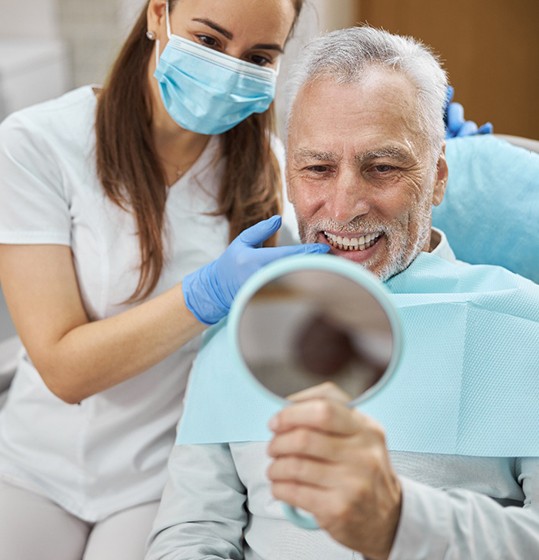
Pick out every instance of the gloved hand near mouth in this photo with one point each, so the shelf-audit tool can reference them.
(209, 291)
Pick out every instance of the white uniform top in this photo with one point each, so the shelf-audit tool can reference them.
(109, 452)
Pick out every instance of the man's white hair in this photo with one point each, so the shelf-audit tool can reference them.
(347, 54)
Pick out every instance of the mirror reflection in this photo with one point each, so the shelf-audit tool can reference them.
(312, 326)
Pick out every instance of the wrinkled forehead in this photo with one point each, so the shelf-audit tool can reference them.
(376, 89)
(377, 114)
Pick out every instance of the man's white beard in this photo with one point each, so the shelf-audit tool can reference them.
(401, 249)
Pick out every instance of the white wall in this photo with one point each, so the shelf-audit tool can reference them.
(28, 18)
(34, 60)
(128, 11)
(317, 17)
(336, 14)
(94, 29)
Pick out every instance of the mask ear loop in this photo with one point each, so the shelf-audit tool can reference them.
(167, 19)
(157, 52)
(169, 33)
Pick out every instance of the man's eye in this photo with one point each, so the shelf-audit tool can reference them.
(384, 168)
(318, 168)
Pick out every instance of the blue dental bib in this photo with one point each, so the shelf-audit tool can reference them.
(467, 384)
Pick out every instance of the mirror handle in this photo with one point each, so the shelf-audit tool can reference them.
(301, 519)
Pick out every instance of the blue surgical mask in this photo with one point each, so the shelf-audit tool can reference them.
(209, 92)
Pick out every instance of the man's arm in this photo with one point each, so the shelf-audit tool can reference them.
(332, 461)
(202, 512)
(453, 524)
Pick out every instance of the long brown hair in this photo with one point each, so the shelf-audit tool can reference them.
(134, 178)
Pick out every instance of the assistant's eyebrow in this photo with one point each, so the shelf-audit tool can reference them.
(268, 47)
(216, 27)
(229, 35)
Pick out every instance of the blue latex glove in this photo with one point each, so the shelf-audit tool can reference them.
(209, 291)
(455, 124)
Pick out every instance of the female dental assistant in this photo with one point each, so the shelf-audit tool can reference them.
(116, 203)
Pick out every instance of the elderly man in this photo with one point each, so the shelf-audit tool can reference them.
(365, 165)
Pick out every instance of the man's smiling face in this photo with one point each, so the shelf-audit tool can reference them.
(360, 172)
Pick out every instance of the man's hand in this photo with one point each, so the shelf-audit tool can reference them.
(332, 461)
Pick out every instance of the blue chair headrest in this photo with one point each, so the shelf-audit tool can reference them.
(490, 212)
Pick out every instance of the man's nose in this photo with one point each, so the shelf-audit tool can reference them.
(349, 197)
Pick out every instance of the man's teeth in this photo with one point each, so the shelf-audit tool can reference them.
(352, 243)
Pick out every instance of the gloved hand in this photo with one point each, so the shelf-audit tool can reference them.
(209, 291)
(455, 125)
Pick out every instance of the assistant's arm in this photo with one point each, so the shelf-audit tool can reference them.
(453, 524)
(202, 512)
(76, 356)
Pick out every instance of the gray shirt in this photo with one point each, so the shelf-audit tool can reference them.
(218, 505)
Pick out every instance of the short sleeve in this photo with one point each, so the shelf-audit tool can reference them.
(33, 206)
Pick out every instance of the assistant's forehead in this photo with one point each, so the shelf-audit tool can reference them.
(278, 17)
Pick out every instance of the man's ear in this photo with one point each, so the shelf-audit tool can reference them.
(442, 173)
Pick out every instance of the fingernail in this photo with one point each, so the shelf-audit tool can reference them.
(273, 424)
(319, 248)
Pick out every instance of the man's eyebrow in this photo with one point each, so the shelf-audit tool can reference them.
(305, 153)
(229, 35)
(392, 152)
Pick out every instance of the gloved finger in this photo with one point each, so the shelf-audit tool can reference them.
(455, 117)
(468, 128)
(257, 234)
(305, 249)
(486, 128)
(449, 95)
(270, 254)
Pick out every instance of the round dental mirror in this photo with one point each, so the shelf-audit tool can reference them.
(317, 319)
(308, 320)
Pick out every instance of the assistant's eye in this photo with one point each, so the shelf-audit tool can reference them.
(260, 60)
(208, 41)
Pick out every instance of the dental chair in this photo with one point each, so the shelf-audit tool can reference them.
(490, 212)
(526, 143)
